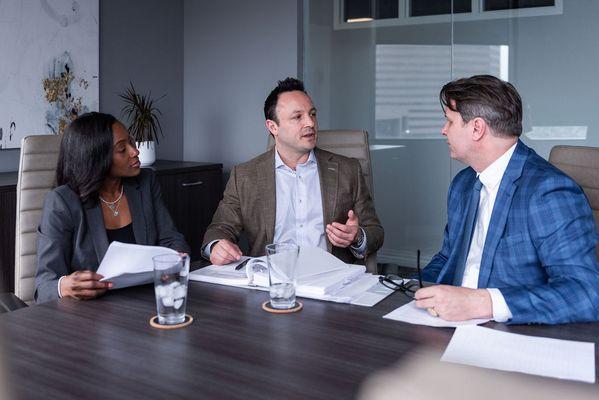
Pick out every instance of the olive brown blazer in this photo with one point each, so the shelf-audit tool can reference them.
(249, 203)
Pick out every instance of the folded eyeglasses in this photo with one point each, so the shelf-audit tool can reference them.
(397, 283)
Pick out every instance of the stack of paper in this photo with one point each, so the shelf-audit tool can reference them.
(329, 282)
(318, 272)
(365, 290)
(320, 275)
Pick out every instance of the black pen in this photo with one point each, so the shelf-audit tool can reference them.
(241, 265)
(418, 268)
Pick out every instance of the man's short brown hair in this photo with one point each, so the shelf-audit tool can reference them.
(286, 85)
(487, 97)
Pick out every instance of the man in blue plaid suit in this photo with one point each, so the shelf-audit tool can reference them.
(519, 244)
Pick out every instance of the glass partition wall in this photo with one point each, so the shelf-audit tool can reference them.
(378, 65)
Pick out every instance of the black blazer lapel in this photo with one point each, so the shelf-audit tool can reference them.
(95, 224)
(132, 191)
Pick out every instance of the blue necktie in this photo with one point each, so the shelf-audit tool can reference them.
(468, 231)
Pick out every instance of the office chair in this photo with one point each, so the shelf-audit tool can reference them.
(582, 165)
(37, 176)
(352, 144)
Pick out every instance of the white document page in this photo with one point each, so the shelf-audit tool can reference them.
(419, 316)
(373, 294)
(315, 261)
(346, 293)
(130, 264)
(221, 274)
(489, 348)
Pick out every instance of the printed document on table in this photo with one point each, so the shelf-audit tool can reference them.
(318, 273)
(222, 274)
(255, 274)
(130, 264)
(419, 316)
(373, 294)
(316, 269)
(489, 348)
(314, 261)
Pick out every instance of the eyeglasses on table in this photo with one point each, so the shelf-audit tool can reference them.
(408, 288)
(397, 283)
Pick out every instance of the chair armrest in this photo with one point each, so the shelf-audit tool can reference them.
(10, 302)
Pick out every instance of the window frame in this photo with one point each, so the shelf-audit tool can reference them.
(477, 14)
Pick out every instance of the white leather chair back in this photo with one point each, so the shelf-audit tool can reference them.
(37, 176)
(581, 164)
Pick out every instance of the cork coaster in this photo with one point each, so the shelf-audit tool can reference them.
(187, 321)
(266, 307)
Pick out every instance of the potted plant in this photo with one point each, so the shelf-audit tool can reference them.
(144, 122)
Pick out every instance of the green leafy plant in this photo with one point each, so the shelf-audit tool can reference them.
(142, 113)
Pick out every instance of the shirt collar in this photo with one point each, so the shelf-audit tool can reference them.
(280, 164)
(492, 175)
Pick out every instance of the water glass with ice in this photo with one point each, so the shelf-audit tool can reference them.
(282, 262)
(171, 273)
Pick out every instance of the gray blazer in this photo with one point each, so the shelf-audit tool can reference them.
(72, 237)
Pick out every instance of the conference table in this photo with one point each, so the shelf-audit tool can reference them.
(106, 349)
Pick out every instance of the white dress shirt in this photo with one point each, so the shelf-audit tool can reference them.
(299, 216)
(491, 179)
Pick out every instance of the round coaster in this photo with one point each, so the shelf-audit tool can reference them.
(187, 321)
(266, 307)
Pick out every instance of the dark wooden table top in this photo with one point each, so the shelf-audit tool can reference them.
(105, 348)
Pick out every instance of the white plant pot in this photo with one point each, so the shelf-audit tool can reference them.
(147, 153)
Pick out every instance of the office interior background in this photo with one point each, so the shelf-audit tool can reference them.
(217, 60)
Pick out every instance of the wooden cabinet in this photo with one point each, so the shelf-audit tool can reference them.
(8, 215)
(191, 192)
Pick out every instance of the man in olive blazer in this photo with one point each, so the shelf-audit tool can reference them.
(337, 210)
(248, 203)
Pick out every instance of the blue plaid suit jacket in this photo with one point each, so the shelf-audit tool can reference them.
(540, 247)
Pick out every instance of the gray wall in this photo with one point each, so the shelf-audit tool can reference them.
(215, 61)
(235, 51)
(9, 160)
(140, 41)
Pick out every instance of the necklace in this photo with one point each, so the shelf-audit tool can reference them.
(113, 205)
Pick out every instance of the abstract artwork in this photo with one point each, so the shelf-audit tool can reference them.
(49, 63)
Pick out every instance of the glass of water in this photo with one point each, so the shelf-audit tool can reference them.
(282, 262)
(171, 272)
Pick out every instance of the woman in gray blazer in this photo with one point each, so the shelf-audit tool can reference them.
(102, 195)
